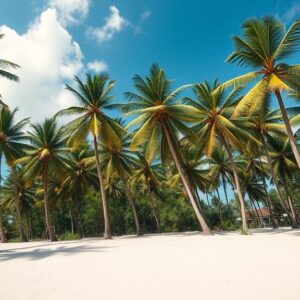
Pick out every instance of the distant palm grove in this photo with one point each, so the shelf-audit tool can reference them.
(204, 156)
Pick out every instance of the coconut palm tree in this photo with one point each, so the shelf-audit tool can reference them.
(94, 96)
(119, 162)
(220, 168)
(46, 159)
(264, 47)
(160, 119)
(216, 128)
(80, 177)
(12, 146)
(285, 166)
(6, 65)
(148, 176)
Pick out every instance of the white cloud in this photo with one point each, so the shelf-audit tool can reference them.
(49, 58)
(71, 11)
(114, 23)
(291, 13)
(97, 66)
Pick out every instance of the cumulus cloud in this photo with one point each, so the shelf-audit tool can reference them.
(97, 66)
(49, 58)
(113, 24)
(71, 11)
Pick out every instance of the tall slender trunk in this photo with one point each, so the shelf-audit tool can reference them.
(77, 216)
(224, 188)
(107, 234)
(291, 205)
(22, 232)
(256, 211)
(220, 207)
(281, 198)
(154, 207)
(244, 229)
(268, 200)
(253, 214)
(2, 230)
(288, 127)
(46, 200)
(135, 215)
(185, 180)
(71, 220)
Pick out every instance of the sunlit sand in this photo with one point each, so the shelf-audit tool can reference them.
(264, 265)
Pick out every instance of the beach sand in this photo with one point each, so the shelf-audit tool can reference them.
(264, 265)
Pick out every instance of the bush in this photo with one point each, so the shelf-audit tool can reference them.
(15, 240)
(69, 236)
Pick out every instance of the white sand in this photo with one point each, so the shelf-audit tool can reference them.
(188, 266)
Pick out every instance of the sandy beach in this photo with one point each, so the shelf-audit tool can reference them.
(189, 265)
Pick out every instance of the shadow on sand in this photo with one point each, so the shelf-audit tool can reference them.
(42, 251)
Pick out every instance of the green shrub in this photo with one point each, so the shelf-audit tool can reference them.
(69, 236)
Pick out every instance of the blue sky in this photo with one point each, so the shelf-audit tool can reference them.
(53, 40)
(190, 39)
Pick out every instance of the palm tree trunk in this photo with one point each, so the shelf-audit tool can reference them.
(136, 217)
(46, 200)
(268, 200)
(244, 229)
(288, 127)
(77, 217)
(291, 205)
(220, 207)
(107, 234)
(224, 188)
(282, 200)
(154, 207)
(23, 235)
(2, 231)
(256, 211)
(185, 181)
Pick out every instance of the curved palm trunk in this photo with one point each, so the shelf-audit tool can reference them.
(282, 200)
(185, 181)
(46, 200)
(268, 200)
(107, 234)
(244, 229)
(2, 231)
(288, 127)
(291, 206)
(256, 211)
(136, 217)
(23, 235)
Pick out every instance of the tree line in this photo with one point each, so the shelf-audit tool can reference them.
(174, 149)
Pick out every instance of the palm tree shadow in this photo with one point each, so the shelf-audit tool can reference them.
(41, 253)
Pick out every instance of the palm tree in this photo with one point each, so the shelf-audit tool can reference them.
(80, 177)
(264, 46)
(119, 162)
(46, 159)
(285, 167)
(217, 127)
(161, 120)
(6, 65)
(149, 175)
(12, 145)
(95, 97)
(220, 168)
